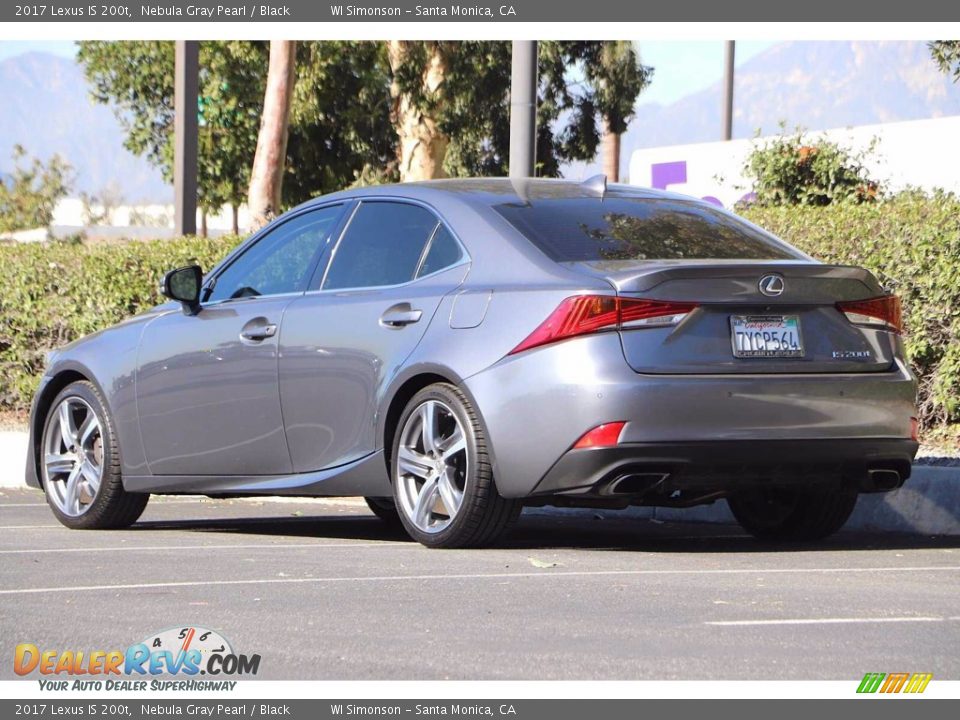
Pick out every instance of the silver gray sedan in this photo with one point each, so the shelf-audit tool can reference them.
(454, 350)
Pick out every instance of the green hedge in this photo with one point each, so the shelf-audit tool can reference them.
(53, 293)
(911, 242)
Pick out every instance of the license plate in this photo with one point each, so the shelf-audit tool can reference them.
(766, 336)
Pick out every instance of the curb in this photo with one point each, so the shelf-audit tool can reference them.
(13, 458)
(929, 504)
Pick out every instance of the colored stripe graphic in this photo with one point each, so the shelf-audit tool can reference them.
(894, 683)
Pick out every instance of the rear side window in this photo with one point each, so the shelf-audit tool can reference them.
(618, 228)
(382, 245)
(444, 251)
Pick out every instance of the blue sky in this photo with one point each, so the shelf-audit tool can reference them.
(682, 67)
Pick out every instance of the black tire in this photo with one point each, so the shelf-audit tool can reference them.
(385, 509)
(484, 515)
(793, 515)
(112, 507)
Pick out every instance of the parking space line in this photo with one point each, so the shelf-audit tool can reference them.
(465, 576)
(243, 546)
(826, 621)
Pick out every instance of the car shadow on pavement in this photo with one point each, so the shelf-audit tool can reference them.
(543, 532)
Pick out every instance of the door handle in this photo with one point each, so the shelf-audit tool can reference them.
(399, 315)
(257, 330)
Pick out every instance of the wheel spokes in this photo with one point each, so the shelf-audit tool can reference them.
(426, 501)
(72, 460)
(453, 444)
(87, 431)
(58, 463)
(71, 493)
(450, 495)
(432, 466)
(428, 426)
(413, 463)
(68, 431)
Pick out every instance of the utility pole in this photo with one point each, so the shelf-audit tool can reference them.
(728, 55)
(523, 109)
(185, 86)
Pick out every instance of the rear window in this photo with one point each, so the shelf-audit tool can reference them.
(617, 228)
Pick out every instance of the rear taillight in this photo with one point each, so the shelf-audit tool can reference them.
(583, 314)
(883, 311)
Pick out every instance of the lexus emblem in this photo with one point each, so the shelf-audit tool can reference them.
(771, 285)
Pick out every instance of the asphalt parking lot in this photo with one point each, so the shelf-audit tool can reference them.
(323, 590)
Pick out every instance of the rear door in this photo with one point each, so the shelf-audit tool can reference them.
(343, 341)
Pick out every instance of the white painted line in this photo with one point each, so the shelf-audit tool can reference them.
(245, 546)
(29, 527)
(826, 621)
(464, 576)
(16, 505)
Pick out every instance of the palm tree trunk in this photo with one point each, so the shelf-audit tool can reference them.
(610, 144)
(266, 178)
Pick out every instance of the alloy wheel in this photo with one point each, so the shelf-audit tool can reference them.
(73, 456)
(432, 466)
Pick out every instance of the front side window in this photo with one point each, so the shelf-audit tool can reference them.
(381, 246)
(281, 261)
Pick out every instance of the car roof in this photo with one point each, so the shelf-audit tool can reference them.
(488, 192)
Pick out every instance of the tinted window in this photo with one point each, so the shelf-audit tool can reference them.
(381, 246)
(444, 251)
(280, 261)
(618, 228)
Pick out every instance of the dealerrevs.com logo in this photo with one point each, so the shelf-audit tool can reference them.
(180, 651)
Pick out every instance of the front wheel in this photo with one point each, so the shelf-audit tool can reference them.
(793, 515)
(443, 483)
(80, 463)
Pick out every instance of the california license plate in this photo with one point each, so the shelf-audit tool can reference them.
(766, 336)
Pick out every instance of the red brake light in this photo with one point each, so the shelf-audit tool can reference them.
(606, 435)
(583, 314)
(884, 310)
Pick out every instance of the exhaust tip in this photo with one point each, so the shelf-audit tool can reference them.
(882, 480)
(636, 483)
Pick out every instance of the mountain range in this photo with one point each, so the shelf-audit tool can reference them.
(46, 107)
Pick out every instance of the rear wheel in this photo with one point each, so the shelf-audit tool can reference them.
(442, 479)
(787, 514)
(80, 463)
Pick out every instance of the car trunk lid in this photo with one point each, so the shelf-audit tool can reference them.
(795, 327)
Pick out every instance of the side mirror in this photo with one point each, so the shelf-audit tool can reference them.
(183, 285)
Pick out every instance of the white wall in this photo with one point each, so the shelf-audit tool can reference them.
(920, 153)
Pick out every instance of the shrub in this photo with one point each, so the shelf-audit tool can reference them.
(911, 242)
(794, 170)
(52, 293)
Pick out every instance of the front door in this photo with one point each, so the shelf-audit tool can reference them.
(207, 385)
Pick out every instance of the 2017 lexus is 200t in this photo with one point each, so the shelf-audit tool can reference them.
(453, 350)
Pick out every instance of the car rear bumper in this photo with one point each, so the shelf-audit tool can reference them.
(537, 404)
(658, 470)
